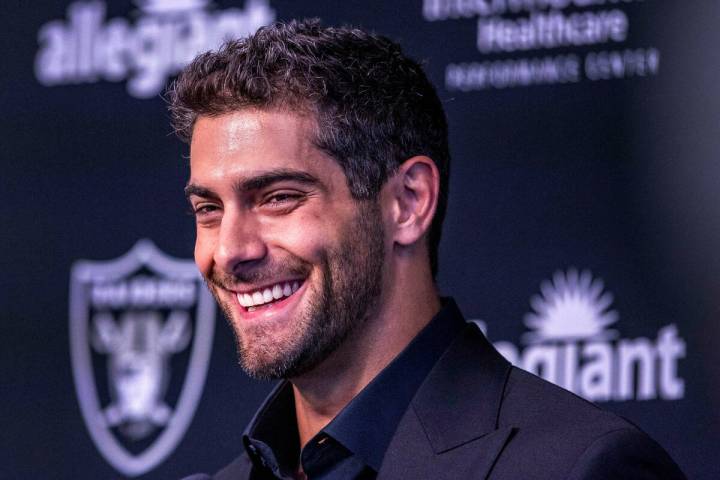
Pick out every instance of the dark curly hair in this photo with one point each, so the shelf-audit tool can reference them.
(374, 107)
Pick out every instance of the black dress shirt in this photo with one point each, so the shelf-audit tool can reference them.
(353, 444)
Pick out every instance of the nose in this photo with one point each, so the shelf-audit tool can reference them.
(240, 243)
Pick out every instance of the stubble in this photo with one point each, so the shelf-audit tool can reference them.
(337, 308)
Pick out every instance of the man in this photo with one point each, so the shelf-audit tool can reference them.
(319, 171)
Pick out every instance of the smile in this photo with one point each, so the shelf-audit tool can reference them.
(263, 297)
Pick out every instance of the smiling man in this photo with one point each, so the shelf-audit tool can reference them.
(319, 169)
(294, 261)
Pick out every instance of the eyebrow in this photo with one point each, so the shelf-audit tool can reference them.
(192, 189)
(258, 182)
(265, 179)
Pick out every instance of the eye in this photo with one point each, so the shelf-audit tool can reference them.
(203, 210)
(282, 200)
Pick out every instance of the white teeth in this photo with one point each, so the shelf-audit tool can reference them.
(245, 300)
(260, 297)
(267, 295)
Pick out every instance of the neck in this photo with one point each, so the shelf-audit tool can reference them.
(406, 306)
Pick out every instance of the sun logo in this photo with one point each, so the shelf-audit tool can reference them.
(571, 307)
(569, 344)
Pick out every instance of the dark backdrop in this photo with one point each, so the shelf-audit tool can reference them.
(584, 139)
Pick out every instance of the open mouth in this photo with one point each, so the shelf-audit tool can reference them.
(266, 296)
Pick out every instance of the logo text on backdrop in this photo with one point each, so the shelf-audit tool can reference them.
(166, 35)
(544, 42)
(571, 344)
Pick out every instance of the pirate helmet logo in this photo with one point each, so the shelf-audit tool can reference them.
(131, 320)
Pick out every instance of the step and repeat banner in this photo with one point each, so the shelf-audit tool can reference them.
(582, 234)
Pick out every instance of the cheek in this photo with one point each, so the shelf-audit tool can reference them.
(204, 251)
(307, 236)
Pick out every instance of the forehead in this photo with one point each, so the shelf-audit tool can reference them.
(242, 143)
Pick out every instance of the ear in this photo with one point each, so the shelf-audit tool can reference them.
(414, 191)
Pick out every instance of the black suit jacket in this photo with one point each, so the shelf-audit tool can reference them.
(477, 417)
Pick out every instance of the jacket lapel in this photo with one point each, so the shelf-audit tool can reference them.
(451, 428)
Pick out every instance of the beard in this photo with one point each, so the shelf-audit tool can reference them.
(336, 307)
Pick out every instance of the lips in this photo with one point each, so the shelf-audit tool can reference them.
(269, 295)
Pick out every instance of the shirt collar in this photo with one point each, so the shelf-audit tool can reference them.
(271, 439)
(367, 424)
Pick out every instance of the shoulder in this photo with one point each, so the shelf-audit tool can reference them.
(624, 453)
(557, 431)
(530, 401)
(238, 469)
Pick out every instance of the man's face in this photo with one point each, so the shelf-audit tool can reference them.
(293, 260)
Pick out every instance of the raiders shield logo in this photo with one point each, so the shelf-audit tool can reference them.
(141, 331)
